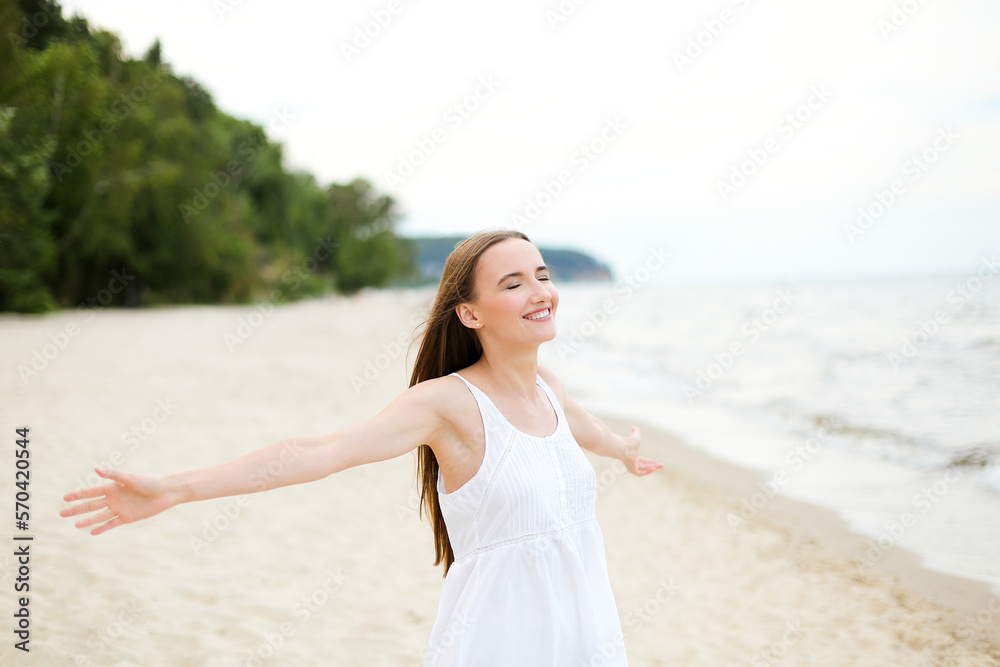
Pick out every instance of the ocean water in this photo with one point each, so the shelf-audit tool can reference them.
(879, 399)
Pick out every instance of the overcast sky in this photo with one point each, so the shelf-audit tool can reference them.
(740, 136)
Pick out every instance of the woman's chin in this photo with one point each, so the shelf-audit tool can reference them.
(550, 334)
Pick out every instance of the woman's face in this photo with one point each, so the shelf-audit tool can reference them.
(512, 283)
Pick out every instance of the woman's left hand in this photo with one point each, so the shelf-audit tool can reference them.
(637, 465)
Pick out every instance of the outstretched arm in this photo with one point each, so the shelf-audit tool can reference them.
(408, 421)
(593, 434)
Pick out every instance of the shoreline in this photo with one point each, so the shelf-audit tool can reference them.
(209, 583)
(958, 597)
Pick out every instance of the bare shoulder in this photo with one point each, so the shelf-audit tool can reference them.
(450, 400)
(438, 395)
(460, 443)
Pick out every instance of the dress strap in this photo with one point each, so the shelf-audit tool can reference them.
(552, 399)
(485, 404)
(499, 439)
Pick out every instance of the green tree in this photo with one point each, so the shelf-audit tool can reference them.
(109, 163)
(27, 250)
(361, 223)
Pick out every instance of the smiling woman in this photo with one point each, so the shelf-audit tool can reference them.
(510, 493)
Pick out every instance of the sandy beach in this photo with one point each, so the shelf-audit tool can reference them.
(339, 572)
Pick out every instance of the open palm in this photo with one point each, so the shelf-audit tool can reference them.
(128, 497)
(637, 465)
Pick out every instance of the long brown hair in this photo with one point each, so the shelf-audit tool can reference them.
(447, 346)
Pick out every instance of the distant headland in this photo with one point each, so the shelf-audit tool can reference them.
(430, 253)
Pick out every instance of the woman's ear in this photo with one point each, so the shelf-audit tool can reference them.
(467, 316)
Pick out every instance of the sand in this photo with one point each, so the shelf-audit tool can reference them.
(338, 572)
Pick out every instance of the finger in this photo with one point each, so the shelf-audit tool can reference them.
(84, 507)
(115, 475)
(89, 492)
(96, 518)
(103, 528)
(647, 466)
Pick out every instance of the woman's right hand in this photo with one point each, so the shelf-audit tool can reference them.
(128, 497)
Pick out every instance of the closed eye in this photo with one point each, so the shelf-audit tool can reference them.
(516, 285)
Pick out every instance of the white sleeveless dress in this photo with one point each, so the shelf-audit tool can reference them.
(529, 586)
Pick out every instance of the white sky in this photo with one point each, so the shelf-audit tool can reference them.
(656, 185)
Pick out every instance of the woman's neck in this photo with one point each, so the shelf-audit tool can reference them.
(513, 374)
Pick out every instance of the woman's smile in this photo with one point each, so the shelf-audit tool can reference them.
(544, 314)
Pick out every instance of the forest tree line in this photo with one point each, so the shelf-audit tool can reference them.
(115, 171)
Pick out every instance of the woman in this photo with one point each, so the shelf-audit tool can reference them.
(511, 494)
